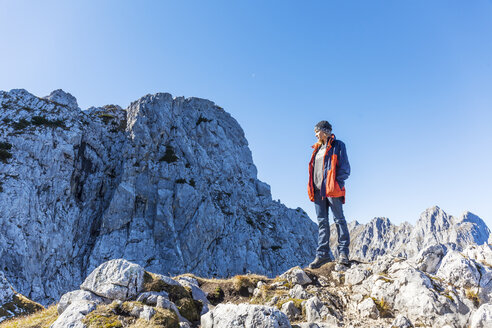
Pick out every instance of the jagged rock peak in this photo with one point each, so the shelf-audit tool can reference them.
(480, 231)
(23, 97)
(436, 218)
(166, 183)
(63, 98)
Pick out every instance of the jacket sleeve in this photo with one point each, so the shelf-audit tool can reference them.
(343, 166)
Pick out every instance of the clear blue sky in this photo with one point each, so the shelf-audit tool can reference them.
(407, 85)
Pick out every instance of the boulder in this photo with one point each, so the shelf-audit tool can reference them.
(147, 313)
(197, 293)
(290, 310)
(296, 276)
(401, 322)
(74, 314)
(298, 292)
(316, 311)
(458, 270)
(409, 291)
(356, 275)
(150, 298)
(167, 304)
(482, 318)
(429, 258)
(77, 295)
(314, 325)
(244, 315)
(115, 280)
(368, 309)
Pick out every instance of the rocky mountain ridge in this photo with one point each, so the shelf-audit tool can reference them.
(436, 288)
(168, 184)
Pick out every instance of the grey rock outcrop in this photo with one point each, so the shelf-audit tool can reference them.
(298, 292)
(458, 270)
(244, 315)
(168, 183)
(13, 304)
(395, 292)
(429, 258)
(75, 296)
(368, 309)
(73, 315)
(196, 292)
(115, 280)
(6, 290)
(290, 310)
(401, 322)
(318, 311)
(6, 296)
(296, 276)
(435, 227)
(482, 318)
(152, 298)
(121, 284)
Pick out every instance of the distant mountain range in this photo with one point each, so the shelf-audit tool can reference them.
(380, 236)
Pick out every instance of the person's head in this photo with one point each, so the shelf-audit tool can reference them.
(322, 131)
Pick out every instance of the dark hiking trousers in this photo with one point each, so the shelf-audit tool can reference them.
(321, 205)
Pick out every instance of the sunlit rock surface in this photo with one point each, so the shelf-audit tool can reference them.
(168, 183)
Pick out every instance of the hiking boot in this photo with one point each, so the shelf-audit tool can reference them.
(318, 262)
(343, 259)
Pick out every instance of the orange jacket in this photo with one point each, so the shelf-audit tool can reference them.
(336, 169)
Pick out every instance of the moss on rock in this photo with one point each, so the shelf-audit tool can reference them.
(165, 318)
(297, 303)
(152, 283)
(179, 295)
(217, 296)
(117, 315)
(188, 309)
(102, 320)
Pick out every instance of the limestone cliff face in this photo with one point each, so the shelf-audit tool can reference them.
(169, 183)
(380, 236)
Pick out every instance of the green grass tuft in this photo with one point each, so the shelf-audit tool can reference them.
(383, 308)
(40, 319)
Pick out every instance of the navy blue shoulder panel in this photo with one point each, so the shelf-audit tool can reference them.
(337, 145)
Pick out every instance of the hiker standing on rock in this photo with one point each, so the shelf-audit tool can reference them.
(328, 169)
